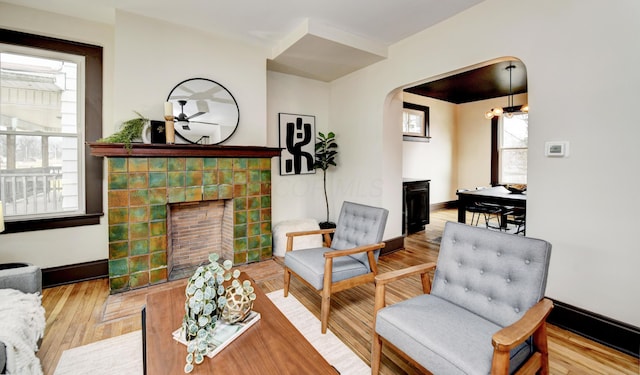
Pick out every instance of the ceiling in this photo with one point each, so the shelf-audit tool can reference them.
(322, 40)
(486, 82)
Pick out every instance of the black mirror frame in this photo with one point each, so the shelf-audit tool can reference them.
(223, 88)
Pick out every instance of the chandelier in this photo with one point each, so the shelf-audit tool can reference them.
(510, 109)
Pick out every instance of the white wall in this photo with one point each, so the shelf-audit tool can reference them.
(579, 64)
(474, 141)
(143, 60)
(302, 196)
(435, 160)
(151, 57)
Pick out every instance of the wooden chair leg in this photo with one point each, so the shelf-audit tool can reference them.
(376, 353)
(287, 278)
(324, 311)
(500, 363)
(540, 342)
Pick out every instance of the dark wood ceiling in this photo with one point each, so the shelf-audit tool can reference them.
(488, 82)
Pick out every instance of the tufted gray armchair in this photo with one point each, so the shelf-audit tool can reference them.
(484, 313)
(350, 257)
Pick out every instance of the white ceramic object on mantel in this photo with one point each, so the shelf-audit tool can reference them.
(146, 133)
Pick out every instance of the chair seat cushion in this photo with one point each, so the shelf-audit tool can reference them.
(443, 337)
(309, 265)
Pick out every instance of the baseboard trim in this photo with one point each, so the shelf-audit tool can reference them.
(617, 335)
(392, 245)
(74, 273)
(443, 205)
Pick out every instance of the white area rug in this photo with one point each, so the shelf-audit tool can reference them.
(122, 355)
(329, 345)
(117, 355)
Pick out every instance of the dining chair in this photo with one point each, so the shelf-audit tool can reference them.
(517, 217)
(347, 260)
(484, 312)
(486, 211)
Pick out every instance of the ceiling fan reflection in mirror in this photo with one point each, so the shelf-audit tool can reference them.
(183, 120)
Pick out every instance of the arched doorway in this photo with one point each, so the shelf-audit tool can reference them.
(464, 147)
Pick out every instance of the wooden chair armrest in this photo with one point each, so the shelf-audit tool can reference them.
(308, 232)
(355, 250)
(392, 276)
(383, 279)
(324, 232)
(511, 336)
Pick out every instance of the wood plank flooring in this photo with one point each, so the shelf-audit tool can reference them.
(82, 313)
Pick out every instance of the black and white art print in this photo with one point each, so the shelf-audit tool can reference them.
(297, 140)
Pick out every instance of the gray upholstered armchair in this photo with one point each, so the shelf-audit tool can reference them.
(350, 257)
(484, 313)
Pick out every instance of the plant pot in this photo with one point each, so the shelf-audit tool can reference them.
(327, 225)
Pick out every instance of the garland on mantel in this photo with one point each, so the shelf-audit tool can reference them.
(129, 130)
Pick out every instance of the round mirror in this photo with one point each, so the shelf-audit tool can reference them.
(205, 112)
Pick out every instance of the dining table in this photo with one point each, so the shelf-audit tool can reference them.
(496, 195)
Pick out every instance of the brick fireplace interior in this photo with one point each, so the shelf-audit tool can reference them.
(195, 230)
(170, 212)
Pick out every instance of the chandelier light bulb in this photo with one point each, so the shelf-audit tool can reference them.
(511, 108)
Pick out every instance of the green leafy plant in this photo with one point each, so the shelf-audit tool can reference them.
(208, 301)
(325, 158)
(129, 130)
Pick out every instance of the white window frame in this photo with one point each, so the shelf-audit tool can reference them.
(73, 190)
(502, 148)
(91, 108)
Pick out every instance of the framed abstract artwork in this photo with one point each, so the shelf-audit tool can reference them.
(297, 140)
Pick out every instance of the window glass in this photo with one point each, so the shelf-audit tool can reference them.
(514, 137)
(41, 157)
(413, 122)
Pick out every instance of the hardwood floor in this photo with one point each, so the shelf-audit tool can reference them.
(82, 313)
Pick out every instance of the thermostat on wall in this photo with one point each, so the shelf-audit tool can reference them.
(556, 149)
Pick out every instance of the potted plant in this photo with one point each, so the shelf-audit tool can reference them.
(325, 158)
(129, 130)
(213, 293)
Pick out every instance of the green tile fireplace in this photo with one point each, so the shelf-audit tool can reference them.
(144, 181)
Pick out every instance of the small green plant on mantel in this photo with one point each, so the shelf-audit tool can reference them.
(129, 130)
(325, 158)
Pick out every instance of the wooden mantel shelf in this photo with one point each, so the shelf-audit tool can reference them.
(181, 150)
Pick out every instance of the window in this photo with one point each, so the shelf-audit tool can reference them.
(415, 122)
(412, 122)
(50, 105)
(513, 140)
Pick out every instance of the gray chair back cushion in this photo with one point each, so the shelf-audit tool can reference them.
(496, 275)
(359, 225)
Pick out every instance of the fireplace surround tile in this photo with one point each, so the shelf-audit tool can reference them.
(118, 181)
(139, 247)
(140, 190)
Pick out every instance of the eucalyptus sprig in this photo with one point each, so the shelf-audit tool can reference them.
(129, 130)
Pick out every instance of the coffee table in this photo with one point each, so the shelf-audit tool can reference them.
(272, 346)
